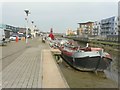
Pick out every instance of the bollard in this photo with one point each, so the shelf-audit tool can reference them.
(16, 38)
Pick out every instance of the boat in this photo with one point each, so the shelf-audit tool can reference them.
(57, 42)
(86, 59)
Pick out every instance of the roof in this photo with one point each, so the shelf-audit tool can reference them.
(86, 23)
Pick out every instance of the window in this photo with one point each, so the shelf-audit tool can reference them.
(113, 19)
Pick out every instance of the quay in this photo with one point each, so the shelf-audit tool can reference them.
(100, 42)
(52, 77)
(34, 67)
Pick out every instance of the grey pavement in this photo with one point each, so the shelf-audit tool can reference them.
(29, 66)
(52, 76)
(23, 69)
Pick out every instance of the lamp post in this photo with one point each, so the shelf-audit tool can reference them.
(32, 31)
(35, 30)
(27, 13)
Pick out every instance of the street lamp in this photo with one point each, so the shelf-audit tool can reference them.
(27, 13)
(32, 30)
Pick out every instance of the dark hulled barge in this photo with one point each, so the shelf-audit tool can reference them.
(86, 59)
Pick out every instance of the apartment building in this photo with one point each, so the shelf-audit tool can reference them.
(85, 29)
(118, 25)
(109, 26)
(96, 28)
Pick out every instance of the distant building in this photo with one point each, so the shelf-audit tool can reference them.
(34, 30)
(8, 29)
(109, 26)
(70, 32)
(22, 30)
(85, 29)
(75, 32)
(96, 28)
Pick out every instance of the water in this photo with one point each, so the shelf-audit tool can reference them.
(78, 79)
(112, 71)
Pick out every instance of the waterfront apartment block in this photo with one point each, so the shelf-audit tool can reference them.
(96, 28)
(85, 29)
(109, 26)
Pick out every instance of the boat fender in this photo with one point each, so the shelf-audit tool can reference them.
(73, 59)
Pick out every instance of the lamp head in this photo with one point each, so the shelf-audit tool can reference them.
(32, 22)
(27, 11)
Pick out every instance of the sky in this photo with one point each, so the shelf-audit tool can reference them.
(57, 15)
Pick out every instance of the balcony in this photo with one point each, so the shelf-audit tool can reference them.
(118, 23)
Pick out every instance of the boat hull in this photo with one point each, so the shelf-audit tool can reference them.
(95, 63)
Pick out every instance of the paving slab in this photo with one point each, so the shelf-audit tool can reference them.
(52, 77)
(24, 71)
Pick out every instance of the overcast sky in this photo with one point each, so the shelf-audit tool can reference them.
(57, 15)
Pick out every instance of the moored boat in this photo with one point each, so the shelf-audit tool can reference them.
(86, 59)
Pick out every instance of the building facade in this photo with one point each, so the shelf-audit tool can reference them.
(96, 28)
(22, 30)
(8, 29)
(85, 29)
(69, 32)
(119, 29)
(108, 26)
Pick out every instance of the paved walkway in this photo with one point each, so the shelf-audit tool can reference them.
(0, 68)
(34, 68)
(52, 77)
(24, 72)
